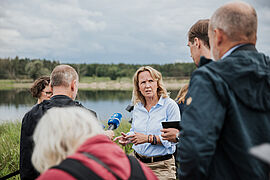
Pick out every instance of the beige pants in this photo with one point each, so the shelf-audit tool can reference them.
(163, 169)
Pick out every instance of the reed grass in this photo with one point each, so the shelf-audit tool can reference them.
(9, 148)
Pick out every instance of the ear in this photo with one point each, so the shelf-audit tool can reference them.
(197, 42)
(50, 86)
(219, 36)
(73, 85)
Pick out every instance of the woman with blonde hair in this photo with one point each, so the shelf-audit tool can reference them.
(69, 143)
(152, 106)
(181, 97)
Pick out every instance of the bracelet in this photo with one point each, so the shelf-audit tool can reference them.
(154, 140)
(150, 138)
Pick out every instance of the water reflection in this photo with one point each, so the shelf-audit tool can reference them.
(104, 95)
(15, 103)
(16, 97)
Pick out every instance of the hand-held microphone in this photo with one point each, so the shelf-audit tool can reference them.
(114, 121)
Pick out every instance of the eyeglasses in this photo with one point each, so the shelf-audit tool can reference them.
(48, 93)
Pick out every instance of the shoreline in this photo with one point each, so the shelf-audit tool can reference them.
(103, 85)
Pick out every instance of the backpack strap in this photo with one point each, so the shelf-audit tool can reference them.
(79, 171)
(136, 169)
(76, 169)
(90, 156)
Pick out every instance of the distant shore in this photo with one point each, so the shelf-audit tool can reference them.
(171, 84)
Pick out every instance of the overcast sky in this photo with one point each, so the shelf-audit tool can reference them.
(109, 31)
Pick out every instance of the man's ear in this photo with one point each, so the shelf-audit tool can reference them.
(50, 86)
(197, 42)
(219, 36)
(73, 85)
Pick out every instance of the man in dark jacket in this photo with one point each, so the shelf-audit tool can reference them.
(227, 107)
(64, 83)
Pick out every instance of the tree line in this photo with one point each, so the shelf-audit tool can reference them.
(25, 68)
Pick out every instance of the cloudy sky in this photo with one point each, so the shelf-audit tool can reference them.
(109, 31)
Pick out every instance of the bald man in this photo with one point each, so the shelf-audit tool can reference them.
(64, 82)
(228, 104)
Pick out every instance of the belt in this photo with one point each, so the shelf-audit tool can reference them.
(153, 158)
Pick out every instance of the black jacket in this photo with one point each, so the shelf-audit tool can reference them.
(29, 122)
(227, 112)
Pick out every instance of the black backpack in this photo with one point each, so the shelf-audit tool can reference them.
(79, 171)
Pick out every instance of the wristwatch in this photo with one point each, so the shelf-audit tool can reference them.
(177, 137)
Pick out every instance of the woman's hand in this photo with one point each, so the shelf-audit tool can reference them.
(138, 138)
(123, 140)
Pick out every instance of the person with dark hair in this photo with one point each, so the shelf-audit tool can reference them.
(41, 89)
(64, 82)
(198, 41)
(227, 106)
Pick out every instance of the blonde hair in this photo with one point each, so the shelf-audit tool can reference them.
(156, 75)
(181, 96)
(60, 132)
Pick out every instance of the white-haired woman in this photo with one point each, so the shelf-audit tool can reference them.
(152, 106)
(70, 144)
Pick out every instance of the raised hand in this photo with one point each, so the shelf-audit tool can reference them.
(123, 140)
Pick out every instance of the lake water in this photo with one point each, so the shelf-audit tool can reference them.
(15, 103)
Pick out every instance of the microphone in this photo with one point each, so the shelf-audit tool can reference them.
(114, 121)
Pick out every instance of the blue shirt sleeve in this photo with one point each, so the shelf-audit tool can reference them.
(173, 114)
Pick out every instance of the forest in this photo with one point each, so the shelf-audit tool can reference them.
(25, 68)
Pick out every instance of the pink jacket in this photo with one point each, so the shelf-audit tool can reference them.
(108, 152)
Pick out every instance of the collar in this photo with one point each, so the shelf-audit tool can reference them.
(203, 61)
(160, 102)
(246, 47)
(60, 97)
(231, 50)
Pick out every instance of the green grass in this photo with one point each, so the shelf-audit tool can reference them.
(171, 83)
(124, 127)
(86, 79)
(6, 84)
(9, 84)
(10, 145)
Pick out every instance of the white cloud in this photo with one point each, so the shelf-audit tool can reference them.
(141, 31)
(89, 25)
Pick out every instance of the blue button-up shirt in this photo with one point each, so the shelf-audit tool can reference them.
(150, 123)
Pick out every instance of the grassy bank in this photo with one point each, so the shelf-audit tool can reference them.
(10, 145)
(95, 83)
(124, 127)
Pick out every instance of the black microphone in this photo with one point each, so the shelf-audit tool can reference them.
(114, 121)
